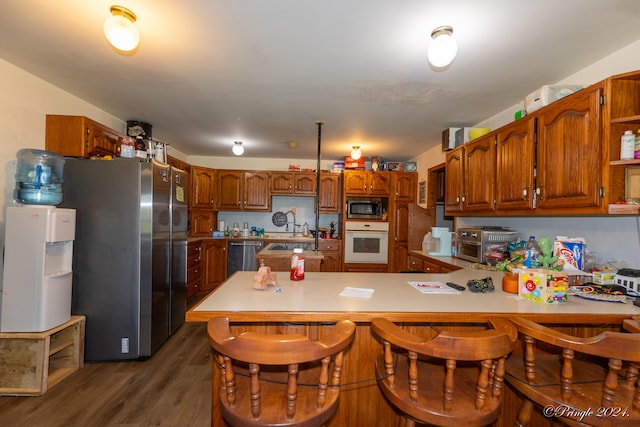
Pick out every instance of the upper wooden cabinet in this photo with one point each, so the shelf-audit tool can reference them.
(78, 136)
(569, 157)
(365, 183)
(453, 192)
(203, 187)
(293, 183)
(404, 186)
(515, 160)
(179, 164)
(243, 190)
(330, 193)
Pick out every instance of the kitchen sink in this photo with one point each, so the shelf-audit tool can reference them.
(288, 246)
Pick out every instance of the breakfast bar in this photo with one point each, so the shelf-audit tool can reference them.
(311, 306)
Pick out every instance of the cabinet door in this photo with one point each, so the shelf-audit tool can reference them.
(101, 139)
(281, 183)
(379, 183)
(569, 173)
(194, 265)
(515, 157)
(201, 222)
(214, 259)
(256, 195)
(355, 183)
(454, 192)
(399, 239)
(202, 188)
(330, 194)
(229, 187)
(304, 184)
(332, 250)
(479, 174)
(404, 186)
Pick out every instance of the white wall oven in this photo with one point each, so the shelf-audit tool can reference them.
(366, 242)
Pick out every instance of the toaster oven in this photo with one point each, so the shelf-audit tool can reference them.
(473, 242)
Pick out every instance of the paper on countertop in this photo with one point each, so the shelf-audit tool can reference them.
(356, 292)
(433, 288)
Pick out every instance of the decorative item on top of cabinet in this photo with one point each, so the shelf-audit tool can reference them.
(194, 268)
(330, 193)
(366, 183)
(293, 183)
(202, 189)
(78, 136)
(243, 190)
(214, 263)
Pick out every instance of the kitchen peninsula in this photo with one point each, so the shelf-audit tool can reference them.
(310, 307)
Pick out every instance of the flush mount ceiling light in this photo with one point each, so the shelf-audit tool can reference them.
(237, 149)
(356, 153)
(293, 145)
(119, 29)
(443, 49)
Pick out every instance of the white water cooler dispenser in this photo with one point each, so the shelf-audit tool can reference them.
(36, 288)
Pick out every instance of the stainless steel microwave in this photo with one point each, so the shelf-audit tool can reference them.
(364, 208)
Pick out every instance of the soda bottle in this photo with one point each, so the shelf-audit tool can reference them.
(297, 265)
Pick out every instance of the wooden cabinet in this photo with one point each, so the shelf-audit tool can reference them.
(214, 263)
(194, 268)
(620, 113)
(293, 183)
(330, 193)
(404, 186)
(243, 190)
(515, 160)
(470, 176)
(202, 188)
(569, 155)
(179, 164)
(399, 237)
(332, 251)
(366, 183)
(201, 222)
(77, 136)
(428, 265)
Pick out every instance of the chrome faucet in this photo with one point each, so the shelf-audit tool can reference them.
(292, 212)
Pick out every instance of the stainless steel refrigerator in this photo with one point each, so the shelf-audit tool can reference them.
(129, 263)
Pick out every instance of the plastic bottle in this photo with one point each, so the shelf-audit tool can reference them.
(531, 251)
(627, 145)
(454, 244)
(297, 265)
(636, 148)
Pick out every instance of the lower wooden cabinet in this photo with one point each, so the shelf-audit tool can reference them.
(201, 222)
(365, 268)
(194, 268)
(420, 264)
(332, 251)
(214, 263)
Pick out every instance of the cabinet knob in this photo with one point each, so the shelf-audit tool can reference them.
(525, 193)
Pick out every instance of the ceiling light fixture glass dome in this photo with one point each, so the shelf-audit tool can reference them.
(356, 153)
(237, 149)
(443, 49)
(120, 30)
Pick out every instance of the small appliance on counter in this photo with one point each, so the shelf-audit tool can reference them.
(442, 235)
(473, 242)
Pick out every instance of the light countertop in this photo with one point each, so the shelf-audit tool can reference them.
(317, 298)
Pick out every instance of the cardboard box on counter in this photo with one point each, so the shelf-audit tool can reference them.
(547, 286)
(570, 251)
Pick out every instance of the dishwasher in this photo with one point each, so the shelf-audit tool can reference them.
(241, 255)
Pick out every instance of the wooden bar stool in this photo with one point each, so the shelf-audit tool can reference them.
(578, 381)
(448, 379)
(278, 379)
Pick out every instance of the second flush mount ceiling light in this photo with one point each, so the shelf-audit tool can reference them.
(443, 49)
(119, 29)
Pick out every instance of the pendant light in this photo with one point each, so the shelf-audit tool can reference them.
(443, 49)
(120, 30)
(237, 149)
(356, 153)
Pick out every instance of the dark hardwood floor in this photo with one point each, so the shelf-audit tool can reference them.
(172, 388)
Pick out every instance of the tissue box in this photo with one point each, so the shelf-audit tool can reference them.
(569, 251)
(351, 163)
(604, 277)
(547, 286)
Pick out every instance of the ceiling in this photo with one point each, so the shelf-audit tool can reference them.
(209, 72)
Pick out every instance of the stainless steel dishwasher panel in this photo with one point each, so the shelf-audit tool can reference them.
(241, 255)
